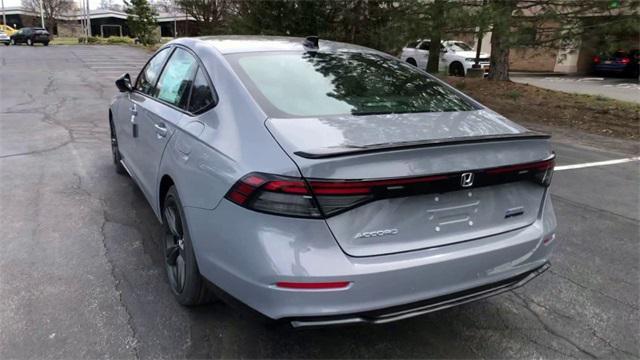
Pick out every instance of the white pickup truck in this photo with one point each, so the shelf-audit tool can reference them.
(456, 57)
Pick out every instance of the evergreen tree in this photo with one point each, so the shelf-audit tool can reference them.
(141, 18)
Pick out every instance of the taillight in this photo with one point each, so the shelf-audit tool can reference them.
(336, 196)
(273, 194)
(625, 60)
(320, 198)
(596, 59)
(540, 171)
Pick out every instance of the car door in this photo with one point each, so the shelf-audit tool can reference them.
(18, 36)
(160, 114)
(409, 51)
(445, 59)
(127, 112)
(26, 34)
(422, 54)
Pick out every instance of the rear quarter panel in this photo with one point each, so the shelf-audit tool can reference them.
(211, 151)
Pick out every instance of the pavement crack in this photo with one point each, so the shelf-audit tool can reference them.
(551, 330)
(36, 152)
(133, 341)
(49, 87)
(597, 291)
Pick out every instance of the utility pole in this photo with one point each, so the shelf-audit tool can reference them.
(4, 16)
(88, 8)
(83, 21)
(175, 19)
(41, 15)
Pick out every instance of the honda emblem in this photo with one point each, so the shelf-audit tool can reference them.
(466, 180)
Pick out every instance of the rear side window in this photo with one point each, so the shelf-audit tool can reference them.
(150, 73)
(323, 84)
(201, 94)
(176, 79)
(412, 45)
(425, 45)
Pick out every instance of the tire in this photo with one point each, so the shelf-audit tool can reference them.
(115, 151)
(29, 42)
(6, 44)
(46, 43)
(456, 69)
(187, 285)
(412, 61)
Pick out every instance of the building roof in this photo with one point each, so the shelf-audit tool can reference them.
(95, 14)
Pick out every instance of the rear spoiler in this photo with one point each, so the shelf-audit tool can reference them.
(347, 150)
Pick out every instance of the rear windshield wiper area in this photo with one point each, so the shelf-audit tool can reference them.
(354, 149)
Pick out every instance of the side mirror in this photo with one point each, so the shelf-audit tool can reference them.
(124, 83)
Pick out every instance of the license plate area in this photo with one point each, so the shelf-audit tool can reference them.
(433, 220)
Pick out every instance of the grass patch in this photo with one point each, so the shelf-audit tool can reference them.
(92, 40)
(64, 41)
(529, 104)
(514, 95)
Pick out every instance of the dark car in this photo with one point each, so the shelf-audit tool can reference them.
(620, 62)
(30, 36)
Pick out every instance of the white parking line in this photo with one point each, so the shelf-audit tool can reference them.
(591, 79)
(597, 163)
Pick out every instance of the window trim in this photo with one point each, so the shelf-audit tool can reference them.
(164, 66)
(214, 94)
(135, 85)
(419, 47)
(173, 47)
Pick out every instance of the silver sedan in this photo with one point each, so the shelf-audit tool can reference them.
(324, 183)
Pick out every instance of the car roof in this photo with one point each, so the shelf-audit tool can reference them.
(232, 44)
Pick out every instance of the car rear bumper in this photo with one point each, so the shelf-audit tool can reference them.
(423, 307)
(245, 253)
(483, 65)
(611, 68)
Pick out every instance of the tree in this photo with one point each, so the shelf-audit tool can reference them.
(52, 9)
(375, 23)
(553, 23)
(438, 20)
(141, 18)
(500, 44)
(109, 5)
(211, 15)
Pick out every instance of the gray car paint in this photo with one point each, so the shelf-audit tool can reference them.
(245, 252)
(245, 262)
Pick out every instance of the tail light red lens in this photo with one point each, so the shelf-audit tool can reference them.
(625, 60)
(596, 59)
(274, 194)
(321, 198)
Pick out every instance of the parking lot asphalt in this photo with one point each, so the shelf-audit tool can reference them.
(81, 272)
(625, 89)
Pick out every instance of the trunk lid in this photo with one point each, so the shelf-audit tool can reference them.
(415, 145)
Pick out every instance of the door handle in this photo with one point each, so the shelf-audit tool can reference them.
(161, 130)
(134, 110)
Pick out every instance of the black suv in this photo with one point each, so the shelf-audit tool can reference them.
(30, 36)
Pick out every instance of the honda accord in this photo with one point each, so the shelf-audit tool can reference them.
(323, 183)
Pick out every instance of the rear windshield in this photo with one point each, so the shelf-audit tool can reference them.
(321, 84)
